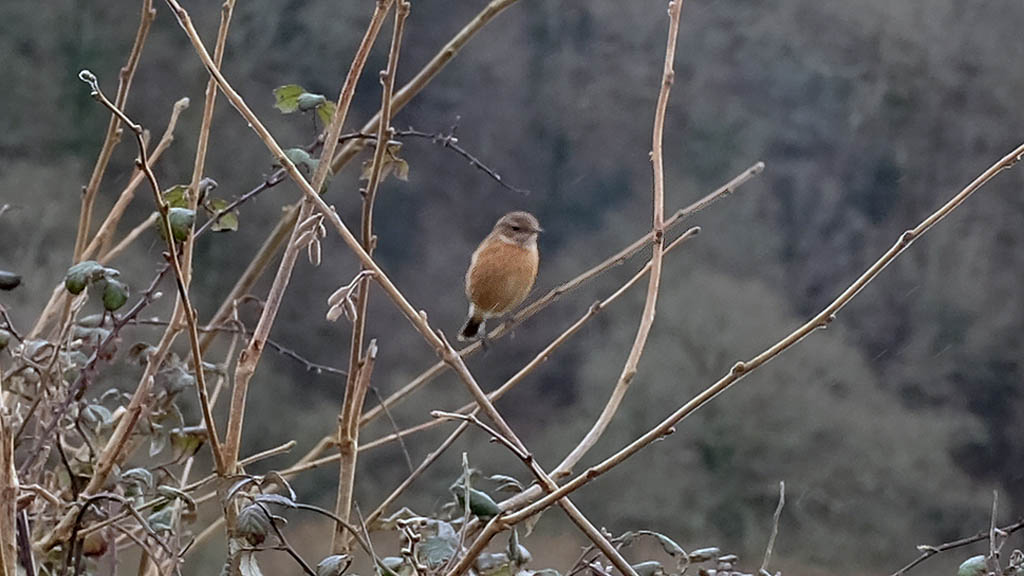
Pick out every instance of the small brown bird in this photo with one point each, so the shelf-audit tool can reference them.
(502, 270)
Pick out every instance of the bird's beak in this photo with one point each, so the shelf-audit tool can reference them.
(538, 230)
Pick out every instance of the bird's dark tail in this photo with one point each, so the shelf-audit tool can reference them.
(471, 328)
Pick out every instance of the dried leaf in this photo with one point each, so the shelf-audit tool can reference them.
(649, 568)
(247, 564)
(274, 478)
(313, 252)
(333, 565)
(253, 524)
(275, 499)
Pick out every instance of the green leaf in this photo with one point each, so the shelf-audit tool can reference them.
(333, 565)
(177, 196)
(301, 158)
(181, 222)
(480, 504)
(286, 98)
(80, 275)
(227, 221)
(115, 294)
(307, 101)
(973, 566)
(326, 112)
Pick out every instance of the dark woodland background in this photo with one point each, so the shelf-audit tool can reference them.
(890, 429)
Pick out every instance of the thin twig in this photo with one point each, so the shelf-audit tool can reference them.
(445, 140)
(654, 280)
(394, 428)
(775, 530)
(928, 551)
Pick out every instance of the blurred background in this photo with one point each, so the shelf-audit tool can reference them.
(891, 428)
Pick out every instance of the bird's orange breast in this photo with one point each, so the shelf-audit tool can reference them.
(500, 276)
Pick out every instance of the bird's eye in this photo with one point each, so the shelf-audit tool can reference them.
(516, 228)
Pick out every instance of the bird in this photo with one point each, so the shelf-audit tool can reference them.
(502, 270)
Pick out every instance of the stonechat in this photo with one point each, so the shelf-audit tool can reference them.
(502, 270)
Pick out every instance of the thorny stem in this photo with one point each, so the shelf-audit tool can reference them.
(179, 276)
